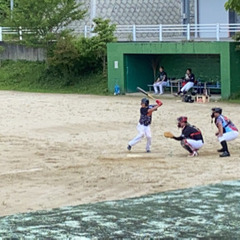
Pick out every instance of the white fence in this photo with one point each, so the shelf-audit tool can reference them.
(10, 31)
(177, 32)
(187, 32)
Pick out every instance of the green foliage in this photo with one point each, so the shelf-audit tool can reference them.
(4, 10)
(21, 74)
(233, 4)
(62, 58)
(32, 77)
(105, 34)
(72, 56)
(44, 19)
(1, 49)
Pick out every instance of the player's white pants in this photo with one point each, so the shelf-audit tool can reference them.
(160, 85)
(187, 86)
(193, 144)
(142, 131)
(228, 136)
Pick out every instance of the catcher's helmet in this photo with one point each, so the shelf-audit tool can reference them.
(182, 119)
(145, 101)
(217, 110)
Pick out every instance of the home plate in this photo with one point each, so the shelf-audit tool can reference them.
(134, 155)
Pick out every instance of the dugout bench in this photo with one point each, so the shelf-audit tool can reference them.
(201, 88)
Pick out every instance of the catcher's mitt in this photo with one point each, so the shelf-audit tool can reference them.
(168, 135)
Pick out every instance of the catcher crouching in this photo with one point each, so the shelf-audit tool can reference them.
(191, 137)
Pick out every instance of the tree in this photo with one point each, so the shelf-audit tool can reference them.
(233, 4)
(4, 10)
(45, 18)
(105, 34)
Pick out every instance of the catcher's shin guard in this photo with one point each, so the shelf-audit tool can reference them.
(187, 146)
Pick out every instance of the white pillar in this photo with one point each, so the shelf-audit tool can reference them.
(0, 34)
(218, 32)
(134, 33)
(188, 31)
(11, 6)
(20, 33)
(160, 32)
(92, 14)
(196, 17)
(85, 31)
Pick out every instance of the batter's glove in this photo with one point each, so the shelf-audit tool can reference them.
(168, 135)
(159, 103)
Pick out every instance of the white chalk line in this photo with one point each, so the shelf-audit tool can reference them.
(22, 171)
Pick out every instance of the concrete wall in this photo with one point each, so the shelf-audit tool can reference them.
(20, 52)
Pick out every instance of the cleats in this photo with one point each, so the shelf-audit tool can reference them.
(225, 154)
(148, 151)
(129, 148)
(193, 154)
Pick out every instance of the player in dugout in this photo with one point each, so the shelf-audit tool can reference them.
(189, 83)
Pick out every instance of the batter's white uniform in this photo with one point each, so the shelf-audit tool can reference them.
(143, 131)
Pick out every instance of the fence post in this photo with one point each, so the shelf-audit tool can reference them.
(160, 32)
(134, 33)
(188, 31)
(217, 32)
(85, 31)
(0, 34)
(20, 33)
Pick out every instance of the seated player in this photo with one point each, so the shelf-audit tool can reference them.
(160, 82)
(189, 82)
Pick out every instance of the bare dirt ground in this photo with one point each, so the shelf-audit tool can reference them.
(60, 150)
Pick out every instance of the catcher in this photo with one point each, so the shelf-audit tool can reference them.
(191, 137)
(144, 123)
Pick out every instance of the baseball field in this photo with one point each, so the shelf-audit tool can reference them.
(65, 150)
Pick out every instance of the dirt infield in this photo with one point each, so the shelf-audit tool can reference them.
(60, 150)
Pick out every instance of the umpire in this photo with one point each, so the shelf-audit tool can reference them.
(226, 130)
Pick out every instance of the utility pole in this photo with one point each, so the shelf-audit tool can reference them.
(11, 7)
(92, 15)
(185, 11)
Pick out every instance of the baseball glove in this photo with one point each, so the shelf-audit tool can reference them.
(168, 135)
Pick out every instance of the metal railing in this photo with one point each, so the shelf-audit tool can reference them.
(10, 31)
(161, 32)
(177, 32)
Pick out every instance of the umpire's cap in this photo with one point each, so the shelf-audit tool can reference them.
(217, 110)
(145, 101)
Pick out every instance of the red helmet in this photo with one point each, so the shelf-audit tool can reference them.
(182, 119)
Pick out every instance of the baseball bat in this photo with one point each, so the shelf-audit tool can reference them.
(144, 92)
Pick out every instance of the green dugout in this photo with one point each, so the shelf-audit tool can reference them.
(135, 64)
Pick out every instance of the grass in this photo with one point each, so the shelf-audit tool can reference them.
(32, 77)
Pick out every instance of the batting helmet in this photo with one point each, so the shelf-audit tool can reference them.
(145, 101)
(217, 110)
(182, 119)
